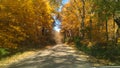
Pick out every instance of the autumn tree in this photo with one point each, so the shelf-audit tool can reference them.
(75, 13)
(55, 4)
(95, 15)
(25, 22)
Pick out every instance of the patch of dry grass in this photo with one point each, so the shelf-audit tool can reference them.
(15, 58)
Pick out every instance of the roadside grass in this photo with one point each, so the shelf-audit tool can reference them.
(107, 51)
(4, 62)
(11, 56)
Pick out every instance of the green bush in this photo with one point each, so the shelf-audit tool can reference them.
(3, 52)
(108, 50)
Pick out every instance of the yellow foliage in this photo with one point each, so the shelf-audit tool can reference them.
(72, 19)
(23, 21)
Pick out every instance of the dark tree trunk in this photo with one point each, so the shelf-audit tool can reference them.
(90, 30)
(117, 20)
(106, 23)
(83, 17)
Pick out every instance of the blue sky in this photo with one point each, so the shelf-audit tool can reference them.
(58, 23)
(65, 1)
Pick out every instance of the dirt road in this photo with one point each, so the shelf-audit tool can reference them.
(59, 56)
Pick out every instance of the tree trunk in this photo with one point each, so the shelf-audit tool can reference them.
(90, 30)
(83, 17)
(114, 31)
(117, 34)
(106, 23)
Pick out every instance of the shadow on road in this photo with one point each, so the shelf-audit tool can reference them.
(60, 56)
